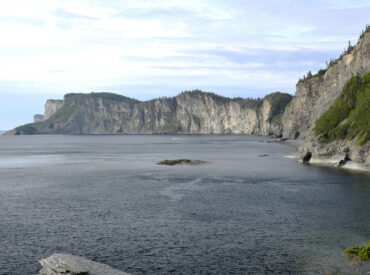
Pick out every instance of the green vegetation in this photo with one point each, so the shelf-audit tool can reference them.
(356, 255)
(244, 102)
(172, 126)
(27, 129)
(348, 118)
(109, 96)
(367, 29)
(61, 115)
(278, 102)
(253, 103)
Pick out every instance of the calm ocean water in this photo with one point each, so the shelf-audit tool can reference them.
(105, 198)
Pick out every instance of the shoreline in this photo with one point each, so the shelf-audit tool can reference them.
(333, 161)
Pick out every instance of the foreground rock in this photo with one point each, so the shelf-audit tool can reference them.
(67, 264)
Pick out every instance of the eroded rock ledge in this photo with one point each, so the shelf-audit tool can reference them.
(67, 264)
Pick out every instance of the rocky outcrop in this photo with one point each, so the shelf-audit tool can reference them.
(67, 264)
(194, 112)
(342, 149)
(315, 96)
(51, 107)
(38, 118)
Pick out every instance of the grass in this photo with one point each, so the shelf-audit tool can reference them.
(349, 117)
(356, 255)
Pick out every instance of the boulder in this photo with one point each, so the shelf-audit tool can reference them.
(67, 264)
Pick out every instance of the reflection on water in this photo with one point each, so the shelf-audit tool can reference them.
(105, 198)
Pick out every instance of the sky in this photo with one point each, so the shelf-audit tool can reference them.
(151, 48)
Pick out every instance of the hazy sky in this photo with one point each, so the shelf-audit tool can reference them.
(145, 49)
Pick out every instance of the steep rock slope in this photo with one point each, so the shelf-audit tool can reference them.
(193, 112)
(314, 96)
(344, 129)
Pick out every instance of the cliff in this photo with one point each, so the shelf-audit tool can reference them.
(194, 112)
(198, 112)
(315, 95)
(51, 106)
(38, 118)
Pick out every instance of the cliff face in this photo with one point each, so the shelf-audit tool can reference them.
(38, 118)
(206, 113)
(315, 96)
(188, 113)
(51, 107)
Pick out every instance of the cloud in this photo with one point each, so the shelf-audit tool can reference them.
(159, 47)
(22, 20)
(62, 13)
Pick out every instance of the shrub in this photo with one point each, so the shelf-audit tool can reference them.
(348, 118)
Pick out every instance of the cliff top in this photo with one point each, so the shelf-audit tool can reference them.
(245, 102)
(350, 48)
(107, 96)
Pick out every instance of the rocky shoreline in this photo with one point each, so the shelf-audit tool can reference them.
(67, 264)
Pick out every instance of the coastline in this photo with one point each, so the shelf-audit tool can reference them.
(333, 161)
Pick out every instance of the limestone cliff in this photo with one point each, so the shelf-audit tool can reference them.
(314, 96)
(194, 112)
(198, 112)
(51, 107)
(38, 118)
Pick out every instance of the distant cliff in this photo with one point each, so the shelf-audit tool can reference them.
(38, 118)
(193, 112)
(51, 106)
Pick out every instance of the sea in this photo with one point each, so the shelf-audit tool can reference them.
(247, 210)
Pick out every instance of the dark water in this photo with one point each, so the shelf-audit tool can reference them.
(104, 197)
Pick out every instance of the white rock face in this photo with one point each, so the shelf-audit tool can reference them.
(67, 264)
(315, 96)
(51, 107)
(193, 112)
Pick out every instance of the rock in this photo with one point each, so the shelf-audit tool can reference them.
(315, 96)
(181, 161)
(38, 118)
(344, 161)
(194, 112)
(51, 107)
(67, 264)
(306, 157)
